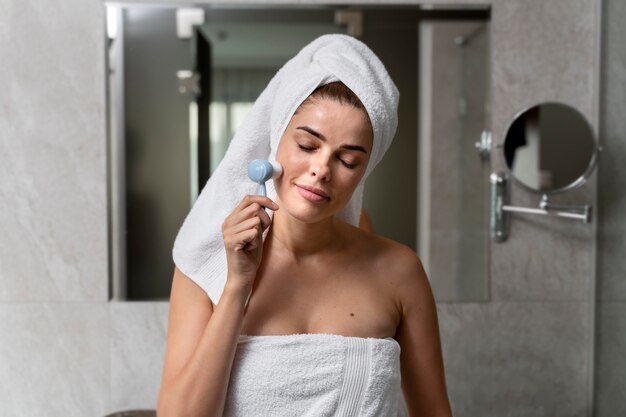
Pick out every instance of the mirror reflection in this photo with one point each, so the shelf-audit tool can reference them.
(453, 198)
(549, 147)
(182, 80)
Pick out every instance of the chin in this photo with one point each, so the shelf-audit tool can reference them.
(307, 212)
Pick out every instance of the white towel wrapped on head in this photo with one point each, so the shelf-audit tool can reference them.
(199, 249)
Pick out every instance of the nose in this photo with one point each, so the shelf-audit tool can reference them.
(320, 168)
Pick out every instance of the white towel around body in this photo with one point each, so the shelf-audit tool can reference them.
(315, 375)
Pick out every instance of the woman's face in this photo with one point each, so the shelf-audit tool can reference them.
(324, 153)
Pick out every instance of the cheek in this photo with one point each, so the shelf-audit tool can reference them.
(345, 183)
(352, 184)
(292, 162)
(292, 167)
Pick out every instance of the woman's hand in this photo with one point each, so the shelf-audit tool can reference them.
(243, 238)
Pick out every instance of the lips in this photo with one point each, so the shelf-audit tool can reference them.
(312, 193)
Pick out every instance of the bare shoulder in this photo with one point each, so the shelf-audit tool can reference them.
(400, 258)
(393, 256)
(398, 265)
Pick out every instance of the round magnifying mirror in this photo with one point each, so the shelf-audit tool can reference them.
(550, 148)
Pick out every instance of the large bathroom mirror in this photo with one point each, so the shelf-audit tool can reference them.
(550, 148)
(182, 79)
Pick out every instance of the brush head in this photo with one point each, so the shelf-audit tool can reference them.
(277, 169)
(261, 170)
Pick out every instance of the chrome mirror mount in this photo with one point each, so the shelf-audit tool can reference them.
(533, 149)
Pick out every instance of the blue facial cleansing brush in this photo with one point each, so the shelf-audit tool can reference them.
(261, 170)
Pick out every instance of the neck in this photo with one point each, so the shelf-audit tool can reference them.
(303, 240)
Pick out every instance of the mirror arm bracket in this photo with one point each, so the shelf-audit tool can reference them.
(500, 209)
(577, 212)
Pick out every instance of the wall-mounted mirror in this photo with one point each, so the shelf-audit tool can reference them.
(550, 148)
(182, 79)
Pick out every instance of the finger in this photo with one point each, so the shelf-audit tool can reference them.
(243, 204)
(267, 202)
(246, 240)
(238, 241)
(244, 225)
(265, 219)
(247, 208)
(244, 214)
(252, 209)
(259, 199)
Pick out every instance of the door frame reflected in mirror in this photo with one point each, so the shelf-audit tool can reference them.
(584, 136)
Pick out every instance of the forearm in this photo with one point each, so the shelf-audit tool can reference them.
(200, 388)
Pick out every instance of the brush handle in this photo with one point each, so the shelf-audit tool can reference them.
(261, 170)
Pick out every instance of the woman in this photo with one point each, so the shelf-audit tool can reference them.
(317, 287)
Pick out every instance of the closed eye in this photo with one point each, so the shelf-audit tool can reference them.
(312, 149)
(347, 164)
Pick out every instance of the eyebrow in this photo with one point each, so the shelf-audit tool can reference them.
(321, 137)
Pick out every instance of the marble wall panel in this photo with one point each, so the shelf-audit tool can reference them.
(52, 152)
(543, 259)
(610, 258)
(535, 58)
(610, 374)
(610, 352)
(516, 359)
(466, 344)
(138, 335)
(54, 360)
(612, 169)
(541, 362)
